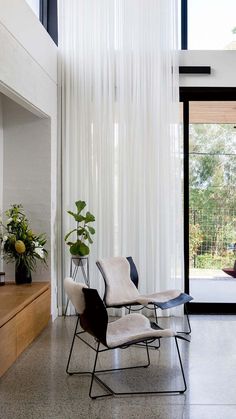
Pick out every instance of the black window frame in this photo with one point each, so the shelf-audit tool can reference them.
(48, 17)
(188, 94)
(184, 24)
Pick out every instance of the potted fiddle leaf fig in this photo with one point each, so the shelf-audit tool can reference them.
(83, 231)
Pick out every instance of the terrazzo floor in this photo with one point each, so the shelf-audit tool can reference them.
(37, 386)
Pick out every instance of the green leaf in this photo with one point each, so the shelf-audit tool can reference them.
(89, 217)
(80, 218)
(79, 248)
(83, 249)
(73, 214)
(87, 236)
(74, 248)
(90, 240)
(80, 206)
(91, 230)
(68, 234)
(77, 217)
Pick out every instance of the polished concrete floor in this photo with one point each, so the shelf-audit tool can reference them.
(36, 386)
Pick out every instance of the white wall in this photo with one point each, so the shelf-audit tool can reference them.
(223, 68)
(1, 154)
(18, 19)
(26, 172)
(1, 168)
(34, 4)
(28, 75)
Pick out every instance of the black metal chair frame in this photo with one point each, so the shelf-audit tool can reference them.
(94, 373)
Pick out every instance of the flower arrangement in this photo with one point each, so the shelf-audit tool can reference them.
(18, 242)
(83, 231)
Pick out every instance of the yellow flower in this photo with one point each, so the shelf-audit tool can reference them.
(20, 246)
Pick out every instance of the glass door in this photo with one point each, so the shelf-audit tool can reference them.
(212, 201)
(210, 204)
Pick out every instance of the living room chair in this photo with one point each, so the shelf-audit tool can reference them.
(121, 289)
(122, 333)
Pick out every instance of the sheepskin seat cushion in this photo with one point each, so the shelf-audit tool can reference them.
(133, 327)
(74, 292)
(120, 290)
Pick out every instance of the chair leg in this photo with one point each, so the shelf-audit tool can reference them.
(189, 325)
(94, 377)
(148, 356)
(111, 392)
(67, 303)
(155, 310)
(181, 366)
(72, 345)
(189, 331)
(93, 372)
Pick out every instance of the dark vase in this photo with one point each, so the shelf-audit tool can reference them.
(22, 274)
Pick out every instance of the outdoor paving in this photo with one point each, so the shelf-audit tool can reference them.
(212, 285)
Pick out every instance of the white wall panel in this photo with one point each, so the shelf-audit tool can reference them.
(34, 4)
(28, 75)
(1, 155)
(223, 68)
(1, 168)
(20, 73)
(27, 172)
(20, 20)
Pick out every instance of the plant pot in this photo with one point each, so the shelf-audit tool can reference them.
(22, 274)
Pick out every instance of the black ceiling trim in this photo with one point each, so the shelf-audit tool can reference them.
(207, 93)
(194, 69)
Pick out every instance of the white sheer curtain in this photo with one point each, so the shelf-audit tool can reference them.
(120, 131)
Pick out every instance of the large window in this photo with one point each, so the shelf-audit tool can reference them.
(211, 24)
(209, 134)
(212, 214)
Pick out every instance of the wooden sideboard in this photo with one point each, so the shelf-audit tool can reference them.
(24, 313)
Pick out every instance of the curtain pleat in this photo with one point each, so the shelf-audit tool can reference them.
(121, 150)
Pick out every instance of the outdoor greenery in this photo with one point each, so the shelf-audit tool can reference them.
(196, 239)
(212, 182)
(207, 261)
